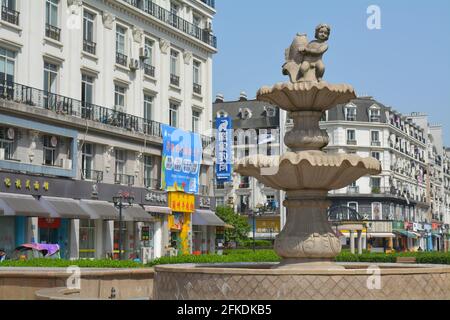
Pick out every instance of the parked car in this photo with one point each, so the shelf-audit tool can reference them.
(29, 251)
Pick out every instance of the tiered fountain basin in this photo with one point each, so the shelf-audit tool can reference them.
(262, 282)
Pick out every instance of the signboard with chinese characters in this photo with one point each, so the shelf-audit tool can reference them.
(181, 202)
(224, 146)
(182, 157)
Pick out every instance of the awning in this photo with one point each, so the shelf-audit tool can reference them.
(21, 205)
(407, 234)
(155, 209)
(101, 210)
(381, 235)
(136, 213)
(206, 218)
(65, 208)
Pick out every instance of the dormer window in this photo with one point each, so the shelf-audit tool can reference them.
(350, 112)
(374, 114)
(245, 114)
(270, 112)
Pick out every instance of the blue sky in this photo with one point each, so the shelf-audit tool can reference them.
(405, 65)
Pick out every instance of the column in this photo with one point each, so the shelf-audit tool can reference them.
(352, 241)
(32, 230)
(157, 239)
(108, 243)
(74, 249)
(99, 247)
(165, 235)
(359, 232)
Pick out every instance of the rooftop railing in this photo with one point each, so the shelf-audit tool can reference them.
(204, 35)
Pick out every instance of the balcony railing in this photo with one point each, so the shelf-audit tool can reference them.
(376, 143)
(94, 175)
(10, 15)
(204, 35)
(351, 142)
(121, 59)
(52, 32)
(153, 184)
(174, 80)
(68, 106)
(149, 70)
(89, 46)
(353, 189)
(220, 186)
(197, 88)
(211, 3)
(124, 179)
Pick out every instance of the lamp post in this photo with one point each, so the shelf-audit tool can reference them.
(121, 201)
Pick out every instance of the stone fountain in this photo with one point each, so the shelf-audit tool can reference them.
(306, 173)
(307, 244)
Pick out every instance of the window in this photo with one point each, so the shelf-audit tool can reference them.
(148, 106)
(353, 205)
(87, 161)
(197, 77)
(374, 114)
(119, 97)
(88, 32)
(120, 163)
(6, 143)
(375, 138)
(377, 214)
(51, 12)
(196, 121)
(87, 239)
(174, 75)
(350, 113)
(271, 202)
(376, 155)
(149, 69)
(9, 12)
(121, 57)
(174, 14)
(87, 93)
(375, 183)
(173, 110)
(7, 63)
(50, 150)
(351, 137)
(50, 84)
(148, 169)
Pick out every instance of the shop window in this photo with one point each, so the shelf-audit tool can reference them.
(87, 239)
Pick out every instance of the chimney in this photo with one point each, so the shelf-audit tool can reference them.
(219, 98)
(243, 96)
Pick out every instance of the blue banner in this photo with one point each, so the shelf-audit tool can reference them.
(181, 160)
(224, 144)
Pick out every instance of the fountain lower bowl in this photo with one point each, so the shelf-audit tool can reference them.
(264, 281)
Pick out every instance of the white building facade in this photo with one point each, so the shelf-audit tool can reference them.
(85, 87)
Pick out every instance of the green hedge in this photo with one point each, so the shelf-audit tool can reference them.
(59, 263)
(229, 256)
(258, 243)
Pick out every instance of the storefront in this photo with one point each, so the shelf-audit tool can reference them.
(180, 223)
(205, 224)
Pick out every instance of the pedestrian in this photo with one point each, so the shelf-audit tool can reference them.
(2, 255)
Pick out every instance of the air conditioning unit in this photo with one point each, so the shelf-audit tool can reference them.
(143, 53)
(147, 255)
(2, 154)
(134, 64)
(66, 164)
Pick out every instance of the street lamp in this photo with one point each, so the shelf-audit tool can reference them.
(122, 201)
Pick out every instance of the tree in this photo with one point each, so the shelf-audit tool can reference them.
(241, 227)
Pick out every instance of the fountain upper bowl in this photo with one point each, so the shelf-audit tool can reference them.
(306, 96)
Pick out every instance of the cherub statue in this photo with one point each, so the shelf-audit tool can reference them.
(304, 60)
